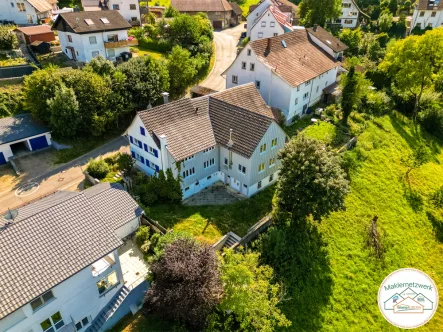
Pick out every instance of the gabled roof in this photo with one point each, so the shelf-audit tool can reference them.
(41, 5)
(428, 5)
(201, 5)
(19, 127)
(236, 8)
(328, 39)
(193, 125)
(281, 17)
(56, 237)
(76, 22)
(285, 6)
(300, 61)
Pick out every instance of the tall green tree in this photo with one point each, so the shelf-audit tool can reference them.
(250, 297)
(100, 66)
(64, 110)
(385, 21)
(319, 11)
(183, 69)
(348, 99)
(311, 182)
(352, 38)
(393, 6)
(413, 63)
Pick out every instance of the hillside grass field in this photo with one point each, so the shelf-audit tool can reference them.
(412, 230)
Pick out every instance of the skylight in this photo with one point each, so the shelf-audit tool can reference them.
(88, 21)
(104, 20)
(284, 44)
(328, 42)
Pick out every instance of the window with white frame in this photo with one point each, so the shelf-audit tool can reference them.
(70, 38)
(226, 161)
(433, 14)
(95, 53)
(116, 7)
(257, 84)
(235, 79)
(152, 166)
(260, 35)
(296, 101)
(107, 282)
(42, 300)
(209, 163)
(348, 21)
(188, 173)
(308, 82)
(137, 142)
(139, 157)
(92, 40)
(263, 24)
(272, 24)
(263, 148)
(422, 14)
(326, 83)
(53, 323)
(316, 90)
(151, 150)
(217, 13)
(274, 143)
(275, 34)
(132, 7)
(189, 158)
(259, 185)
(430, 25)
(242, 169)
(271, 177)
(209, 149)
(261, 167)
(82, 324)
(271, 162)
(243, 65)
(298, 88)
(346, 5)
(21, 7)
(252, 66)
(248, 52)
(353, 13)
(306, 95)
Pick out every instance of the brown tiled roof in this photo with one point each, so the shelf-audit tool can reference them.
(328, 39)
(49, 241)
(41, 5)
(236, 8)
(426, 5)
(201, 5)
(75, 22)
(299, 62)
(190, 125)
(35, 30)
(251, 8)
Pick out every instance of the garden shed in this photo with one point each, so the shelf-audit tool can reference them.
(37, 32)
(20, 134)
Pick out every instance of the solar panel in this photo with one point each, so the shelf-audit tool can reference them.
(88, 21)
(284, 44)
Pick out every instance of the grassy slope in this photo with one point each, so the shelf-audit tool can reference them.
(410, 239)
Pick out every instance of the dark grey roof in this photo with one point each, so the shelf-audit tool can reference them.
(56, 237)
(113, 203)
(75, 22)
(19, 127)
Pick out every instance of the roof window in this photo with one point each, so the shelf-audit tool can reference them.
(104, 20)
(284, 44)
(88, 21)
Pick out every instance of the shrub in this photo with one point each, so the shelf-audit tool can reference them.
(377, 103)
(8, 39)
(142, 235)
(437, 198)
(125, 163)
(97, 168)
(245, 41)
(432, 120)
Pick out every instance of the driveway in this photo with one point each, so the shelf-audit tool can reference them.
(226, 42)
(65, 177)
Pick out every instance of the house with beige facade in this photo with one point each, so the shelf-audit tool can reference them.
(230, 136)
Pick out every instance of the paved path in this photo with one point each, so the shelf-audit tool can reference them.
(64, 177)
(225, 53)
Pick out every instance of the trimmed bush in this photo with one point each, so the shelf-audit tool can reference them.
(432, 120)
(98, 168)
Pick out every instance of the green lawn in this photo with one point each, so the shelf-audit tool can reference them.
(412, 228)
(209, 223)
(141, 323)
(142, 51)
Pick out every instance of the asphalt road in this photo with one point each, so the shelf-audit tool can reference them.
(65, 177)
(226, 42)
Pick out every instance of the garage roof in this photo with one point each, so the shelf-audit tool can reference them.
(19, 127)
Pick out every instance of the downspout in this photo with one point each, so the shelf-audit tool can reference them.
(310, 94)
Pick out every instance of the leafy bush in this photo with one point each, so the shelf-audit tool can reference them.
(142, 235)
(377, 103)
(11, 102)
(437, 198)
(432, 120)
(125, 163)
(8, 39)
(245, 41)
(97, 168)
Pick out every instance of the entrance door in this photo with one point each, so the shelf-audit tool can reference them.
(38, 143)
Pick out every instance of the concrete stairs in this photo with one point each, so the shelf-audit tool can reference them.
(109, 310)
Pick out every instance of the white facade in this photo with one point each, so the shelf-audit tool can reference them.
(255, 14)
(74, 299)
(215, 164)
(84, 47)
(128, 228)
(292, 100)
(427, 18)
(6, 150)
(21, 12)
(349, 17)
(326, 48)
(265, 26)
(129, 9)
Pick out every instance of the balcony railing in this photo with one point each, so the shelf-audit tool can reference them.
(121, 43)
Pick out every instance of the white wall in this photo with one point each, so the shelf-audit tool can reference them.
(6, 148)
(7, 12)
(324, 47)
(128, 228)
(256, 13)
(125, 10)
(84, 49)
(427, 18)
(76, 298)
(349, 14)
(267, 30)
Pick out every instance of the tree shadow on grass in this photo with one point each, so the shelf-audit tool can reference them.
(437, 224)
(414, 199)
(299, 258)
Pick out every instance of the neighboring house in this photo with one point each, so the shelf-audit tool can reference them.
(130, 9)
(61, 266)
(20, 132)
(290, 71)
(36, 32)
(27, 12)
(220, 12)
(228, 136)
(350, 15)
(85, 35)
(285, 11)
(271, 23)
(427, 13)
(237, 13)
(331, 45)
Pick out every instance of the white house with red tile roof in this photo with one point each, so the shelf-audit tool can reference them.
(27, 12)
(290, 71)
(273, 22)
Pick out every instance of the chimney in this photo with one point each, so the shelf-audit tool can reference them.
(230, 142)
(196, 110)
(315, 27)
(268, 46)
(165, 97)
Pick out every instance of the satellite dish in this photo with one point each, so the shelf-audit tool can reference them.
(11, 214)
